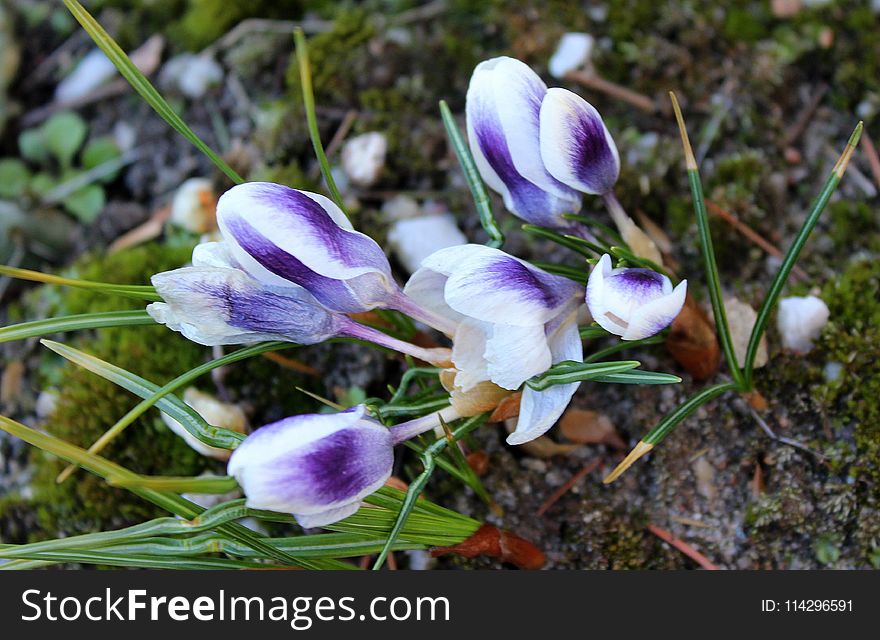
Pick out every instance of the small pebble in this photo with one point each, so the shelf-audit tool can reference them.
(800, 321)
(91, 72)
(573, 52)
(414, 239)
(192, 74)
(363, 158)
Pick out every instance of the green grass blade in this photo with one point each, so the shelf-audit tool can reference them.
(570, 371)
(305, 76)
(639, 377)
(140, 84)
(136, 291)
(167, 389)
(713, 280)
(794, 251)
(472, 175)
(61, 324)
(622, 345)
(169, 501)
(176, 484)
(579, 245)
(173, 406)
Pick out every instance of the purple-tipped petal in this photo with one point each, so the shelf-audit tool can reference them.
(281, 235)
(489, 285)
(658, 314)
(317, 467)
(632, 303)
(214, 306)
(503, 107)
(539, 410)
(576, 147)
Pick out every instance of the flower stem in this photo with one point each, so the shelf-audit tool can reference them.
(412, 428)
(403, 303)
(439, 357)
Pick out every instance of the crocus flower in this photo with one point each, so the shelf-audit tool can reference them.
(281, 236)
(319, 467)
(503, 123)
(214, 302)
(632, 303)
(513, 321)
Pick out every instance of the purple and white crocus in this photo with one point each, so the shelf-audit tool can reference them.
(632, 303)
(319, 467)
(217, 302)
(503, 124)
(512, 321)
(280, 236)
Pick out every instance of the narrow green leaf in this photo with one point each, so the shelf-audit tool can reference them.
(74, 323)
(579, 245)
(569, 371)
(171, 405)
(305, 76)
(638, 377)
(140, 84)
(472, 175)
(791, 256)
(136, 291)
(197, 484)
(685, 409)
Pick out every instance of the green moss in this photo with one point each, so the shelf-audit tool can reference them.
(854, 226)
(852, 338)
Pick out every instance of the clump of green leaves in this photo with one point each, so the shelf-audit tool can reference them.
(56, 165)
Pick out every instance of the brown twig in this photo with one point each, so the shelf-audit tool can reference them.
(290, 363)
(591, 80)
(561, 491)
(800, 124)
(683, 546)
(750, 234)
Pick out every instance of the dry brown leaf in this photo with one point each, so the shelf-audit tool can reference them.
(507, 408)
(542, 447)
(692, 342)
(479, 462)
(589, 427)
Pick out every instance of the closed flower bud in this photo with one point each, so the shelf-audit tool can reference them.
(503, 123)
(632, 303)
(317, 467)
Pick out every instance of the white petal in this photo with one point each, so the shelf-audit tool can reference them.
(323, 518)
(539, 410)
(212, 254)
(468, 353)
(426, 287)
(656, 315)
(515, 354)
(596, 297)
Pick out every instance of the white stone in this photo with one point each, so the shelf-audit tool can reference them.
(91, 72)
(800, 321)
(363, 158)
(414, 239)
(572, 52)
(194, 206)
(219, 414)
(192, 74)
(741, 319)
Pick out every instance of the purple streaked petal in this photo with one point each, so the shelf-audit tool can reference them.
(492, 286)
(576, 147)
(503, 105)
(314, 464)
(539, 410)
(278, 234)
(628, 289)
(656, 315)
(214, 306)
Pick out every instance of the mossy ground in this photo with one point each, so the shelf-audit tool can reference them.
(737, 66)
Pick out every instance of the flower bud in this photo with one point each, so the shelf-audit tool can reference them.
(632, 303)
